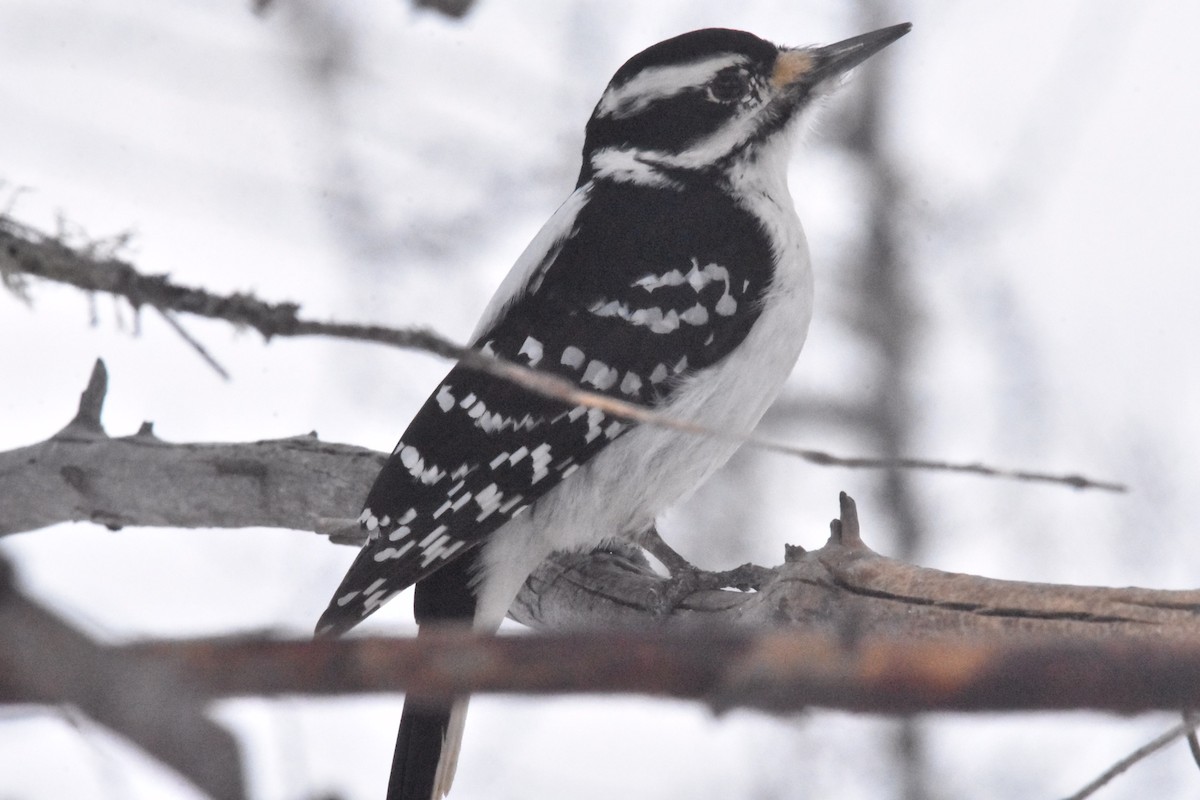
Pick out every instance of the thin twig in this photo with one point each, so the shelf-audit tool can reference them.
(23, 250)
(1183, 729)
(1193, 743)
(195, 344)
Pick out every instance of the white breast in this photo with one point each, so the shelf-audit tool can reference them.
(626, 486)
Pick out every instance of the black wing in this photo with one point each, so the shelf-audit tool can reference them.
(649, 286)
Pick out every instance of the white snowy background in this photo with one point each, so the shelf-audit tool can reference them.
(1049, 151)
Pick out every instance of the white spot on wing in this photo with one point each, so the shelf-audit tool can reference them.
(651, 282)
(646, 316)
(612, 308)
(600, 375)
(444, 398)
(631, 383)
(434, 550)
(696, 315)
(433, 534)
(533, 349)
(488, 500)
(389, 553)
(594, 417)
(572, 357)
(668, 323)
(540, 458)
(373, 601)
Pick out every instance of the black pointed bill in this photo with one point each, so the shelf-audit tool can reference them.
(811, 65)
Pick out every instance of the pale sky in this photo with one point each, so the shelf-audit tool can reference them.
(1050, 154)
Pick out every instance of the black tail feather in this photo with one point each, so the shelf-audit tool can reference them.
(418, 748)
(445, 597)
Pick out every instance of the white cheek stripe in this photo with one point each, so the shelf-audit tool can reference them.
(631, 166)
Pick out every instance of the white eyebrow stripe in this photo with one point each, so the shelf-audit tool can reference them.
(656, 83)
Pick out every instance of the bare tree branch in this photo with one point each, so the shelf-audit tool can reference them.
(777, 670)
(200, 349)
(456, 9)
(24, 251)
(304, 484)
(845, 589)
(45, 660)
(1180, 731)
(851, 630)
(838, 627)
(81, 473)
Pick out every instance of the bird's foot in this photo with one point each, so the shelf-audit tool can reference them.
(687, 579)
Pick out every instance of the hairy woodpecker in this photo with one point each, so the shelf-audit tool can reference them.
(675, 276)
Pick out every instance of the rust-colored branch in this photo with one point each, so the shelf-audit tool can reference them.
(776, 670)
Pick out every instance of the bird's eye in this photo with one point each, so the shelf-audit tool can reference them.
(729, 86)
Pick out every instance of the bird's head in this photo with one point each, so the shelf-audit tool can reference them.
(693, 104)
